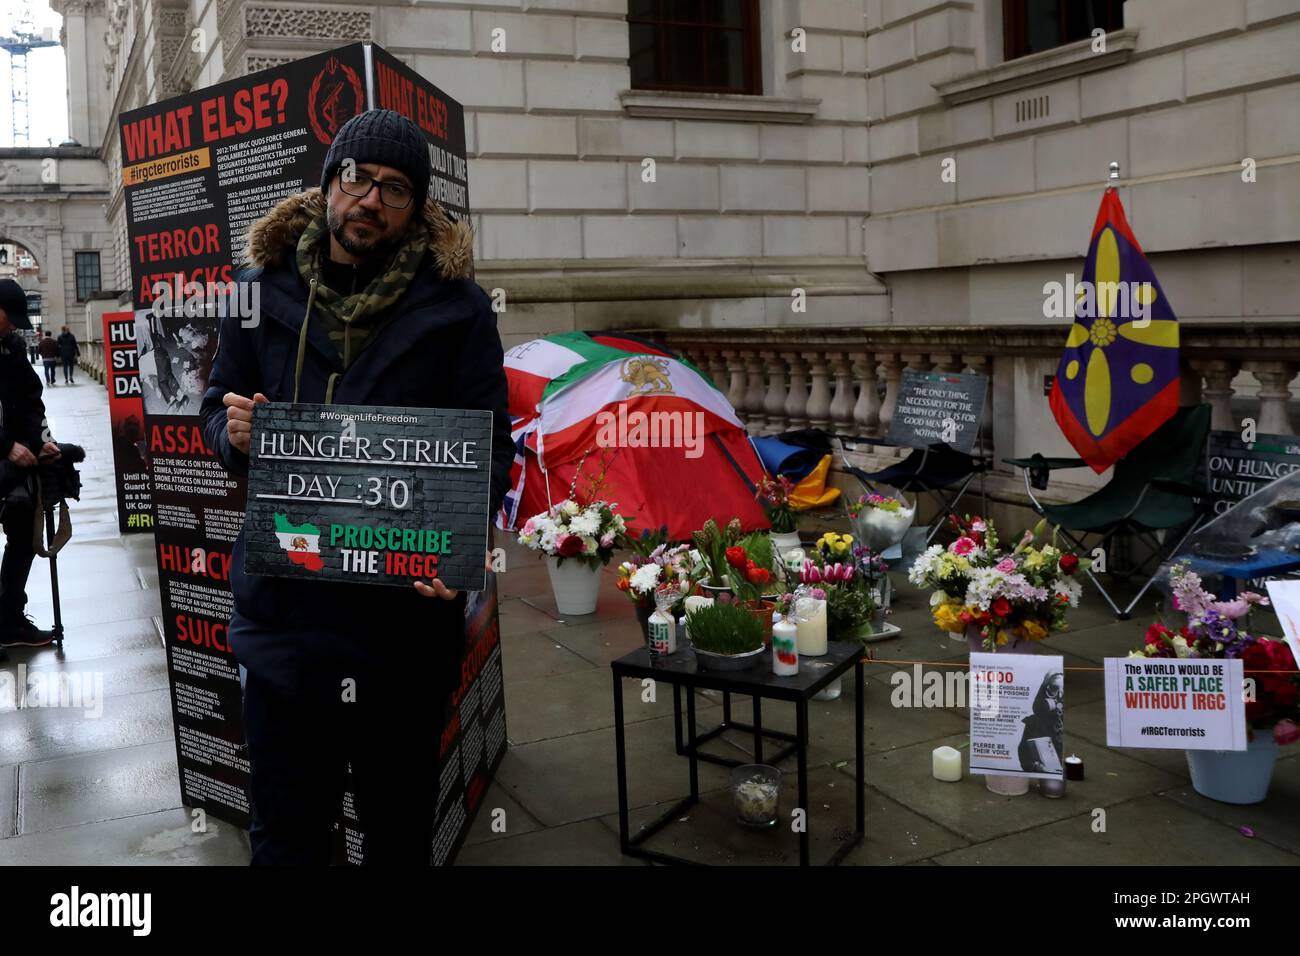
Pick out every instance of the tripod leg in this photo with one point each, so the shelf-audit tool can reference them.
(54, 582)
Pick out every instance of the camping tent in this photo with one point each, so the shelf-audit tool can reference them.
(672, 449)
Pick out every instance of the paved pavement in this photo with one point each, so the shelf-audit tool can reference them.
(79, 789)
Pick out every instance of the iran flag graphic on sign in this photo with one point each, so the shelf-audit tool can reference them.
(300, 541)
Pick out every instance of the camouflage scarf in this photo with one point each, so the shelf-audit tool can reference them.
(349, 319)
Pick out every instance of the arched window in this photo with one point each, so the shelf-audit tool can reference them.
(707, 46)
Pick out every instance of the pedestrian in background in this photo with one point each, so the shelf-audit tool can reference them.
(33, 340)
(50, 355)
(69, 353)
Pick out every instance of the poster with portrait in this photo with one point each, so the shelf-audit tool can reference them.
(1017, 715)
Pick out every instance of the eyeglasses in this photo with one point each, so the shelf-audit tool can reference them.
(392, 194)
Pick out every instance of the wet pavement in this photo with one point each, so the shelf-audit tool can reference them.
(97, 784)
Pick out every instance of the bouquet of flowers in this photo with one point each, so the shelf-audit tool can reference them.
(880, 521)
(882, 502)
(774, 496)
(1022, 593)
(640, 576)
(1214, 629)
(589, 534)
(836, 573)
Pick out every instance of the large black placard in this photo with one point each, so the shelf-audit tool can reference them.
(369, 494)
(1236, 470)
(938, 407)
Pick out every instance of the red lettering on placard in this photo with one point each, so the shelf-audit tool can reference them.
(157, 134)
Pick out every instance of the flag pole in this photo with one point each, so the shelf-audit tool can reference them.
(1113, 179)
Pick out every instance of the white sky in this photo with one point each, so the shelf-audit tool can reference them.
(47, 83)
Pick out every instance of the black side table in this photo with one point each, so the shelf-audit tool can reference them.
(683, 672)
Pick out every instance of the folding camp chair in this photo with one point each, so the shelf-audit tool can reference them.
(1155, 487)
(940, 468)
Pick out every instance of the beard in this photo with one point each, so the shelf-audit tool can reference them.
(379, 246)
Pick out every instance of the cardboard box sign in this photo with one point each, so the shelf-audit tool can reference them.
(369, 494)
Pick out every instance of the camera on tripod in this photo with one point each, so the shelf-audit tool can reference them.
(60, 479)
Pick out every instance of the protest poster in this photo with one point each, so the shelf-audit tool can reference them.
(938, 407)
(1235, 469)
(126, 420)
(198, 170)
(1017, 715)
(1171, 703)
(369, 495)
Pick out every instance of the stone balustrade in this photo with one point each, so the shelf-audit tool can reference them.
(847, 381)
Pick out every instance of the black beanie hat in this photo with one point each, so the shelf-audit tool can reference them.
(386, 138)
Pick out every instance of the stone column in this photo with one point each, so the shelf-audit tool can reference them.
(842, 404)
(1274, 393)
(754, 393)
(866, 413)
(893, 367)
(718, 370)
(1217, 390)
(796, 399)
(736, 387)
(819, 398)
(774, 397)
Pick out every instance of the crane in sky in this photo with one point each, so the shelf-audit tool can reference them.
(22, 40)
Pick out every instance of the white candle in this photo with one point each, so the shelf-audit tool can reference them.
(785, 655)
(947, 764)
(811, 615)
(692, 604)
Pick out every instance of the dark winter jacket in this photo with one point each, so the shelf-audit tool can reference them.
(20, 398)
(48, 348)
(68, 347)
(436, 347)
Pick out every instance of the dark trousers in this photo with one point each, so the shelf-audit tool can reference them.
(50, 366)
(68, 366)
(17, 564)
(299, 749)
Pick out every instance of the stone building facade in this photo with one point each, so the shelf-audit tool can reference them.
(896, 189)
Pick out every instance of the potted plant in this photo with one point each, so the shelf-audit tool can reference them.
(774, 496)
(998, 599)
(725, 637)
(578, 536)
(849, 604)
(711, 544)
(1214, 629)
(879, 521)
(750, 577)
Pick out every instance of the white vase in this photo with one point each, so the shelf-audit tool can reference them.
(783, 541)
(1235, 776)
(576, 585)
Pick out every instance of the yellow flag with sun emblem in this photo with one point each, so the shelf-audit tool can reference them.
(1118, 379)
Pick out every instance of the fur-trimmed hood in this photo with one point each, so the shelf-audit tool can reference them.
(273, 238)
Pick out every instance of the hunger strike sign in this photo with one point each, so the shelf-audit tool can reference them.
(369, 495)
(1175, 704)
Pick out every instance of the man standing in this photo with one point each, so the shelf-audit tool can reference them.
(366, 299)
(50, 356)
(22, 429)
(69, 353)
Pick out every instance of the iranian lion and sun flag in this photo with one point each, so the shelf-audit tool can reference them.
(1118, 380)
